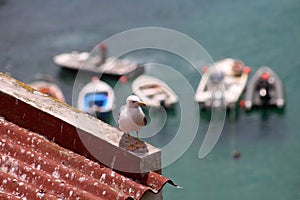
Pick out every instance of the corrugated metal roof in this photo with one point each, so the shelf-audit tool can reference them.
(32, 167)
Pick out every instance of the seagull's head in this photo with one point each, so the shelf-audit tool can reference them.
(134, 102)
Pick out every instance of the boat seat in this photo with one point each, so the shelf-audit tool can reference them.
(95, 99)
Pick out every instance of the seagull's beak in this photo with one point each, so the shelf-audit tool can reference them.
(142, 104)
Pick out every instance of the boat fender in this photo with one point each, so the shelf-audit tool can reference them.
(242, 103)
(95, 79)
(248, 105)
(204, 69)
(265, 76)
(280, 103)
(247, 70)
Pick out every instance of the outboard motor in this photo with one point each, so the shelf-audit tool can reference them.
(217, 89)
(264, 89)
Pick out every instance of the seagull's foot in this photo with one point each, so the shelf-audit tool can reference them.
(136, 145)
(133, 143)
(139, 143)
(128, 135)
(132, 147)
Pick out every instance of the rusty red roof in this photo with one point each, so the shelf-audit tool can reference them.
(32, 167)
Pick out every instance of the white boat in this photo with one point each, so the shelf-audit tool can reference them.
(222, 83)
(96, 98)
(265, 89)
(48, 88)
(153, 91)
(99, 63)
(71, 60)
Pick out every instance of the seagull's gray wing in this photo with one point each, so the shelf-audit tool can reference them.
(119, 115)
(139, 119)
(121, 109)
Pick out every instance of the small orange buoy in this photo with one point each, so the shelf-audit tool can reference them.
(123, 79)
(236, 154)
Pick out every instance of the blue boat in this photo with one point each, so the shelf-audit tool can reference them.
(96, 98)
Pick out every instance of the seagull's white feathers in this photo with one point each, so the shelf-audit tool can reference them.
(131, 116)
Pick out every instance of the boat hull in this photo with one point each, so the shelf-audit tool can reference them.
(154, 92)
(270, 94)
(112, 66)
(96, 98)
(48, 88)
(222, 84)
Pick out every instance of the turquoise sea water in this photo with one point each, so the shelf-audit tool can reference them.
(265, 32)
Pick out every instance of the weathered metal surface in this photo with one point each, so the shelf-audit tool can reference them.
(33, 167)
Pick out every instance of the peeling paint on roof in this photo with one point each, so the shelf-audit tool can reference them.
(32, 167)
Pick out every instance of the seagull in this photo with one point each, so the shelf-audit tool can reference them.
(131, 117)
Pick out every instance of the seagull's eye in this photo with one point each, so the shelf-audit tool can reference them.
(133, 101)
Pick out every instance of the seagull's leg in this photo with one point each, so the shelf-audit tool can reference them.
(131, 144)
(138, 142)
(137, 137)
(128, 136)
